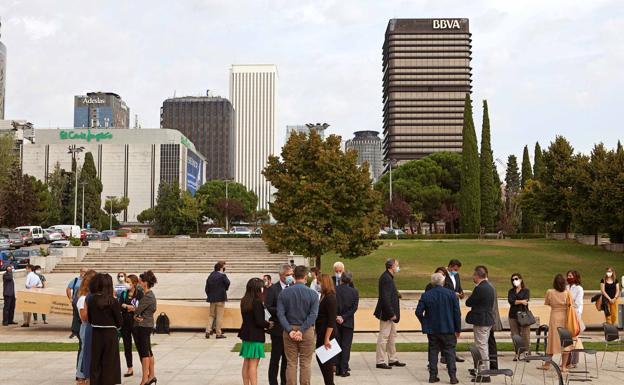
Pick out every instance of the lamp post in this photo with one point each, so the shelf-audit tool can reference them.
(83, 188)
(110, 212)
(73, 150)
(390, 162)
(227, 206)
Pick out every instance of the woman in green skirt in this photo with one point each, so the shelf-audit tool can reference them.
(252, 330)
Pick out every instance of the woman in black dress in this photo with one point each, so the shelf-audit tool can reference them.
(129, 298)
(326, 324)
(143, 326)
(104, 315)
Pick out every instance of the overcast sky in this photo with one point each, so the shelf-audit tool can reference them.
(546, 67)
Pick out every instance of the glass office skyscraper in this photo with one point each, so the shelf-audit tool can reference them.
(427, 73)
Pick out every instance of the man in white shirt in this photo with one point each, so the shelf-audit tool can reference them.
(32, 281)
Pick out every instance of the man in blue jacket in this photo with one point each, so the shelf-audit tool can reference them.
(216, 289)
(439, 315)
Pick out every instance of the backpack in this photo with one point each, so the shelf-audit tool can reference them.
(162, 324)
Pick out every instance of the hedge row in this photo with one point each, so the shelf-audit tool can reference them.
(458, 236)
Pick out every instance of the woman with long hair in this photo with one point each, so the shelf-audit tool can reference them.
(577, 293)
(326, 324)
(143, 325)
(518, 297)
(83, 365)
(558, 300)
(104, 315)
(129, 298)
(252, 330)
(610, 289)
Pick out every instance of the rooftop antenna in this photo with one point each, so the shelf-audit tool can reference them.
(174, 93)
(136, 121)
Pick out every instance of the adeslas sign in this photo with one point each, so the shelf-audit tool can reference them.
(85, 135)
(446, 24)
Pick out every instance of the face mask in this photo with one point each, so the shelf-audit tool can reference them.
(37, 271)
(289, 280)
(224, 269)
(517, 282)
(318, 288)
(609, 274)
(121, 278)
(570, 281)
(398, 269)
(453, 273)
(266, 283)
(338, 275)
(128, 286)
(309, 275)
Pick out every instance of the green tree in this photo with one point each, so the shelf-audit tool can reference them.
(619, 148)
(212, 202)
(43, 202)
(167, 220)
(17, 199)
(488, 209)
(512, 189)
(190, 213)
(615, 192)
(114, 205)
(527, 171)
(92, 192)
(8, 158)
(57, 183)
(398, 210)
(591, 191)
(558, 177)
(146, 216)
(324, 201)
(470, 193)
(538, 162)
(498, 193)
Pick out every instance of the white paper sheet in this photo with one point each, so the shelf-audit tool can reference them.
(267, 315)
(325, 355)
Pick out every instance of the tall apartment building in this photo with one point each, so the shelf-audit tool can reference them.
(100, 110)
(209, 123)
(3, 61)
(368, 146)
(427, 73)
(253, 94)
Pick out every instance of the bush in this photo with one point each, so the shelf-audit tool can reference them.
(75, 241)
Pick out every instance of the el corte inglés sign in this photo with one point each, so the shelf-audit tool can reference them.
(87, 135)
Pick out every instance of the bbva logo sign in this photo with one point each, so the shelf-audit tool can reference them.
(446, 24)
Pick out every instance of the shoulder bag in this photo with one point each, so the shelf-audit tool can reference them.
(525, 317)
(572, 322)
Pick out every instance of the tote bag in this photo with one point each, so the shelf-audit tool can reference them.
(572, 322)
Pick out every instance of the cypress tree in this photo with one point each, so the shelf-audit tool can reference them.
(92, 192)
(527, 171)
(619, 148)
(488, 211)
(470, 192)
(538, 162)
(497, 195)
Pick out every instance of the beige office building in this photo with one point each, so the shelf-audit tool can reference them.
(253, 96)
(130, 163)
(427, 73)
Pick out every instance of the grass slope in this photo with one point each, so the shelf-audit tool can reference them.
(538, 260)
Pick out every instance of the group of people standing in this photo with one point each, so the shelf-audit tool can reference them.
(299, 319)
(100, 310)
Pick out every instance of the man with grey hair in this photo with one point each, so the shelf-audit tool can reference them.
(388, 312)
(480, 316)
(339, 268)
(277, 341)
(440, 318)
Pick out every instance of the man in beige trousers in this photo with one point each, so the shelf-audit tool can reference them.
(216, 289)
(388, 312)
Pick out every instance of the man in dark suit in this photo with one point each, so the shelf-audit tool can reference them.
(497, 327)
(453, 282)
(480, 317)
(439, 315)
(338, 270)
(277, 341)
(347, 299)
(388, 312)
(217, 285)
(8, 292)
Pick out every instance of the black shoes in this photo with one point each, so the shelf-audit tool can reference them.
(383, 366)
(397, 364)
(220, 336)
(207, 335)
(459, 359)
(433, 380)
(72, 336)
(454, 380)
(345, 374)
(481, 380)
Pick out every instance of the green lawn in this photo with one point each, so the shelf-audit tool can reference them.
(538, 260)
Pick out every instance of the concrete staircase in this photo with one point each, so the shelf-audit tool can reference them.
(171, 255)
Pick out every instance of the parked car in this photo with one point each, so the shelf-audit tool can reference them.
(258, 231)
(240, 230)
(382, 232)
(6, 259)
(15, 239)
(35, 231)
(5, 244)
(51, 235)
(69, 230)
(110, 233)
(216, 231)
(58, 244)
(93, 236)
(22, 257)
(26, 237)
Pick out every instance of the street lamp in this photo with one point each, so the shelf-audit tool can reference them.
(227, 206)
(73, 150)
(110, 212)
(83, 188)
(390, 163)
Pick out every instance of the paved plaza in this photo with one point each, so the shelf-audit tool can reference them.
(188, 358)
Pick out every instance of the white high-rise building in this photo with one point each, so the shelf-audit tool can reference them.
(253, 95)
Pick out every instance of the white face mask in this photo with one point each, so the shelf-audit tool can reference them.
(609, 274)
(517, 283)
(37, 271)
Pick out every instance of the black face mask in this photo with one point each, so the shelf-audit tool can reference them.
(224, 269)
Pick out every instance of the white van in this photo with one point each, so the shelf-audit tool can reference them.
(35, 231)
(69, 230)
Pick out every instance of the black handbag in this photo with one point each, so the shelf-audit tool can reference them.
(525, 317)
